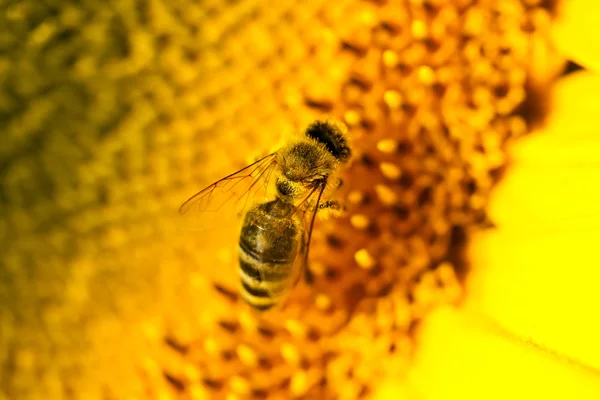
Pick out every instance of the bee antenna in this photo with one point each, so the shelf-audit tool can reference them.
(332, 137)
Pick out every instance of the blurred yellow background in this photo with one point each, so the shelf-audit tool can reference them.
(465, 267)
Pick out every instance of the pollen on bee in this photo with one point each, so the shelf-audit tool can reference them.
(364, 259)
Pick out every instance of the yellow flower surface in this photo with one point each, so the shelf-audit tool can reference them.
(575, 32)
(115, 112)
(526, 328)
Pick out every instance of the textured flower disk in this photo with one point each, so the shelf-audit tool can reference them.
(431, 96)
(114, 113)
(527, 319)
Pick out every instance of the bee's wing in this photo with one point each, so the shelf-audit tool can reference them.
(229, 197)
(309, 210)
(305, 210)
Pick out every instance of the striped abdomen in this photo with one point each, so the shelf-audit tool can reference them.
(271, 237)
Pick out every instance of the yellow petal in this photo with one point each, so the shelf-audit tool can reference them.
(549, 193)
(553, 179)
(461, 358)
(542, 286)
(576, 32)
(575, 107)
(537, 274)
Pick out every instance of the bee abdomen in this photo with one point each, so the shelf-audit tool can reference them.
(264, 247)
(263, 282)
(272, 278)
(266, 256)
(268, 247)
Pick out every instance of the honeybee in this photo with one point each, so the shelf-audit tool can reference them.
(276, 232)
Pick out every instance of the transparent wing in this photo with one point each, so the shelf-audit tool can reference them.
(308, 209)
(304, 211)
(230, 196)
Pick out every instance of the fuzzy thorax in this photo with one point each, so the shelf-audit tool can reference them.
(311, 162)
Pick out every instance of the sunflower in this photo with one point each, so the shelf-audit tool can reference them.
(113, 113)
(527, 326)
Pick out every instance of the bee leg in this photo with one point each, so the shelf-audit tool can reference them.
(309, 278)
(340, 183)
(332, 204)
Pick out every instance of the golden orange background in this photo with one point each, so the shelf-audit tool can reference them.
(467, 118)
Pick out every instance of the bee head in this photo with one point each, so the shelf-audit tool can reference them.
(332, 137)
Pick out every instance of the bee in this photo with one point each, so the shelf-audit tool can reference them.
(276, 232)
